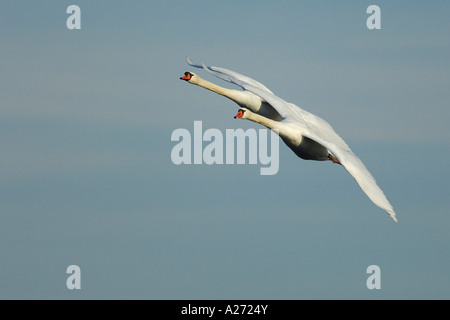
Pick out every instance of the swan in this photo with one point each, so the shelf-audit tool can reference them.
(307, 135)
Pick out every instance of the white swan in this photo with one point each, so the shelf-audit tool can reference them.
(309, 136)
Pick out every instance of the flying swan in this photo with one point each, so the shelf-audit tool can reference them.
(309, 136)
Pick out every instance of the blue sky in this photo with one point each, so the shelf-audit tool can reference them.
(86, 176)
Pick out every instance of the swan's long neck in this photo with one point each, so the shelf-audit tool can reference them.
(269, 123)
(235, 95)
(291, 136)
(244, 99)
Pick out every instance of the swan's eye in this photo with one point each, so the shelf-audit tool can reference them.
(187, 76)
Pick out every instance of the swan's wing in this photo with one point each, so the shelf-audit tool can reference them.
(321, 131)
(229, 75)
(359, 172)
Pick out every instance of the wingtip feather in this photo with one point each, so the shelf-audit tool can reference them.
(392, 214)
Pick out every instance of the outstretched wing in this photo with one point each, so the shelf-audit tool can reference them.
(321, 131)
(229, 75)
(359, 172)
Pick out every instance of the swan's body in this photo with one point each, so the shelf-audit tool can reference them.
(309, 136)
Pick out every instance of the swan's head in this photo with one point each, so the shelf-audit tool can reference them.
(189, 77)
(243, 113)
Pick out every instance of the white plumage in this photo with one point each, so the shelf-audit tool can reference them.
(308, 135)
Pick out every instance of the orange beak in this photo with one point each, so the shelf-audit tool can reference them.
(187, 76)
(239, 114)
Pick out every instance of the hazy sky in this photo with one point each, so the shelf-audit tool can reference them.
(86, 176)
